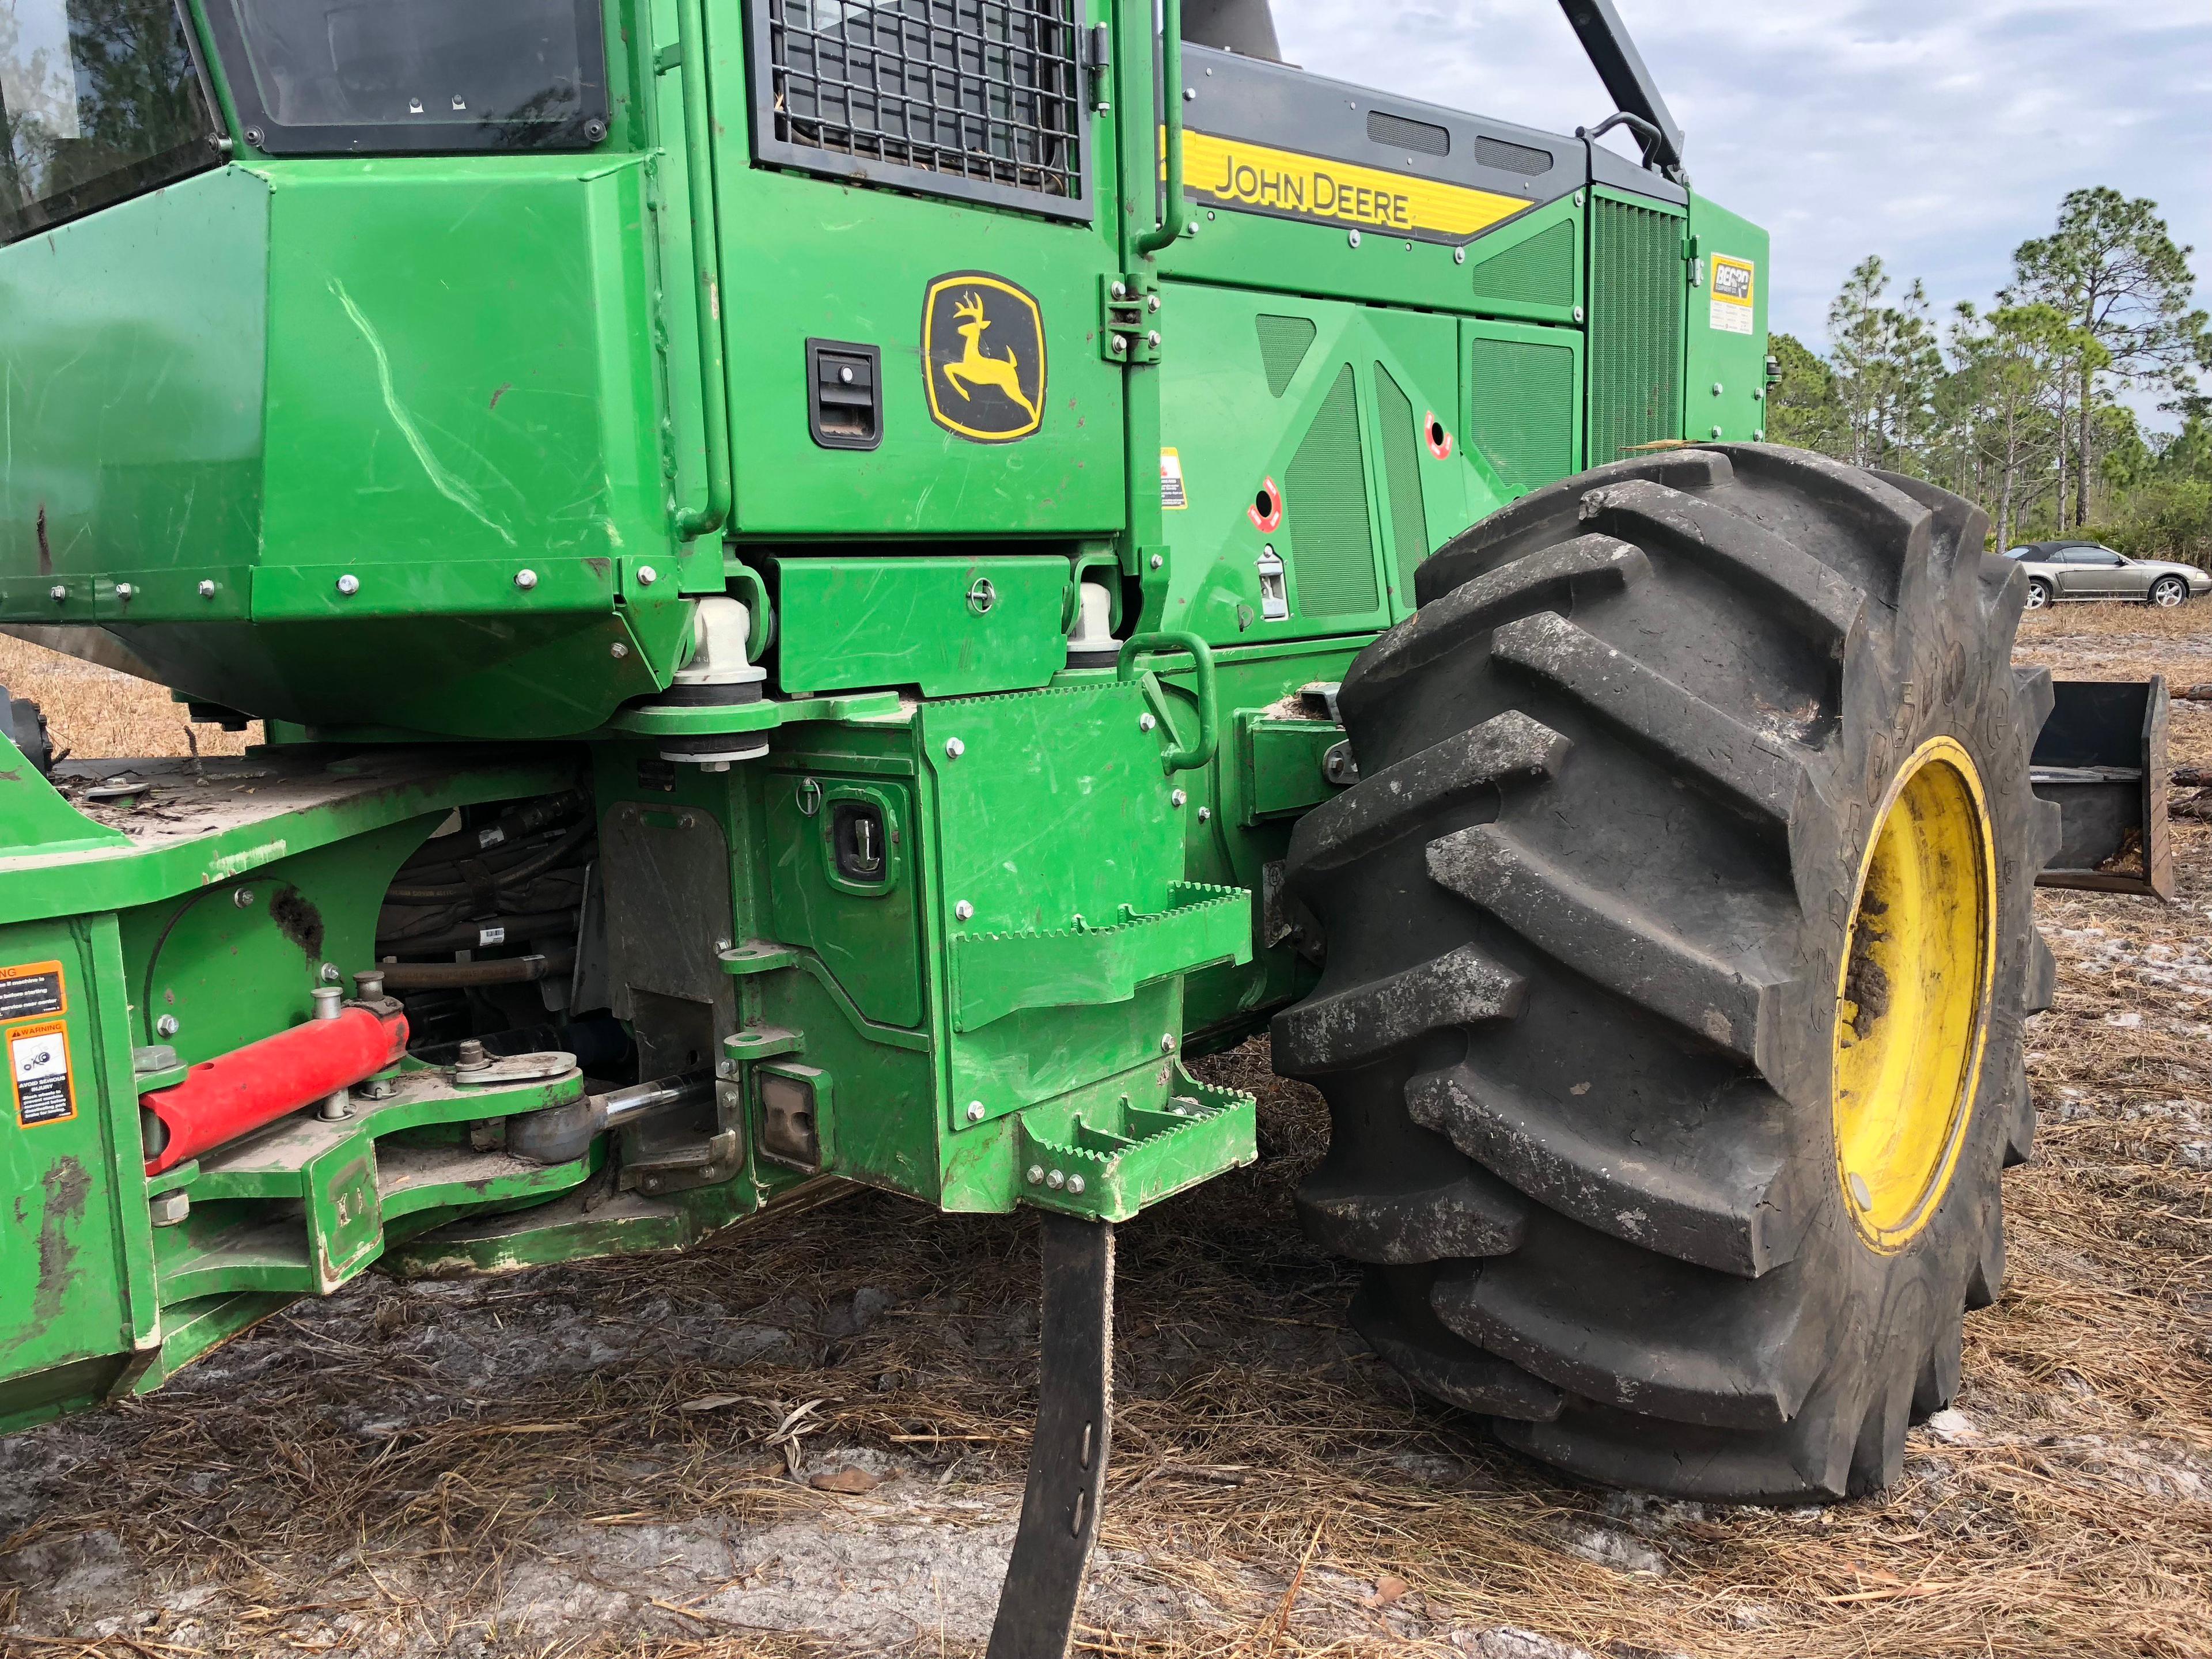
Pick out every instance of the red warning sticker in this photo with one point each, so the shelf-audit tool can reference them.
(38, 1067)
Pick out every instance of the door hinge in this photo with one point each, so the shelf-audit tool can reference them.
(1129, 318)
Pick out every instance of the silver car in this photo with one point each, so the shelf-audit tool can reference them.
(2090, 570)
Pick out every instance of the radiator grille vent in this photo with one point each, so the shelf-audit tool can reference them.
(1541, 271)
(1513, 158)
(1524, 412)
(1401, 469)
(962, 97)
(1284, 343)
(1637, 286)
(1398, 132)
(1332, 544)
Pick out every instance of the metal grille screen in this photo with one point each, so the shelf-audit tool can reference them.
(1524, 410)
(1284, 342)
(1541, 271)
(1332, 543)
(961, 97)
(1401, 466)
(1637, 285)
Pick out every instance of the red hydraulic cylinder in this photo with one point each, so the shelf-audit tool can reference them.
(225, 1098)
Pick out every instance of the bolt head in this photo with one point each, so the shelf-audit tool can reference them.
(1578, 313)
(1176, 798)
(1151, 337)
(974, 1111)
(1459, 256)
(124, 590)
(58, 592)
(1717, 388)
(964, 910)
(1075, 1186)
(330, 973)
(1056, 1180)
(1146, 722)
(1158, 561)
(1121, 290)
(1353, 239)
(1167, 1043)
(1717, 432)
(954, 749)
(243, 898)
(170, 1208)
(1152, 302)
(207, 590)
(1205, 814)
(1037, 1174)
(166, 1026)
(1117, 344)
(725, 1068)
(348, 585)
(526, 579)
(617, 651)
(647, 575)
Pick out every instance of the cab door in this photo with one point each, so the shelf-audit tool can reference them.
(915, 206)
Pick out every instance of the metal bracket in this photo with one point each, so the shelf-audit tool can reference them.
(1067, 1456)
(1129, 318)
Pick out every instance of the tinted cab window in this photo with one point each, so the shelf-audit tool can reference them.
(99, 99)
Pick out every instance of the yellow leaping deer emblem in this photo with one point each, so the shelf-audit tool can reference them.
(978, 367)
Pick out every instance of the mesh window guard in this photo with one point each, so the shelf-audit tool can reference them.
(973, 98)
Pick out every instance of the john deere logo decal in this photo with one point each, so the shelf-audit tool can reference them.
(982, 347)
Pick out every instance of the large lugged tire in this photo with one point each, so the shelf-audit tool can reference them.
(1679, 939)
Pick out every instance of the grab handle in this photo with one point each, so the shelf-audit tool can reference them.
(1181, 757)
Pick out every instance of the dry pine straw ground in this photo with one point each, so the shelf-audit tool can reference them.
(1275, 1490)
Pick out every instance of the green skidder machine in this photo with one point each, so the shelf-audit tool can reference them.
(837, 586)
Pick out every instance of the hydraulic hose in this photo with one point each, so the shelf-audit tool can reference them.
(538, 865)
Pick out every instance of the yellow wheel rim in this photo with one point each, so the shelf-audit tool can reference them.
(1911, 997)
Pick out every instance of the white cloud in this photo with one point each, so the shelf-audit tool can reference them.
(1937, 133)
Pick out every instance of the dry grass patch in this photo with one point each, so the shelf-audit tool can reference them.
(508, 1466)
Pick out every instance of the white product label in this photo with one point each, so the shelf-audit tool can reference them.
(1734, 281)
(490, 936)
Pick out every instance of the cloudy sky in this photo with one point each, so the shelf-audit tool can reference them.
(1937, 133)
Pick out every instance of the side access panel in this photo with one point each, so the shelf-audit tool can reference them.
(1312, 433)
(1725, 389)
(76, 1269)
(974, 304)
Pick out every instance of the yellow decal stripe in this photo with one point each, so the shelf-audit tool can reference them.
(1237, 174)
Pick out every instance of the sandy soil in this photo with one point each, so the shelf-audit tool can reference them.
(807, 1435)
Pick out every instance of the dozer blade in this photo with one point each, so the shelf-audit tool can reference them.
(1067, 1457)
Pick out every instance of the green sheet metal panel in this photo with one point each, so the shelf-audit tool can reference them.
(132, 353)
(1637, 279)
(1530, 267)
(1267, 394)
(867, 936)
(954, 627)
(808, 257)
(459, 362)
(1523, 401)
(1725, 391)
(74, 1231)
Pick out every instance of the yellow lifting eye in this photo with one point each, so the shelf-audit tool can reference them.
(1912, 995)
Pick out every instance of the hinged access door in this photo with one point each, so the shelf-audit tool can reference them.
(915, 191)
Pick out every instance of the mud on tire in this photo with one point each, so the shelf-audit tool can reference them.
(1587, 913)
